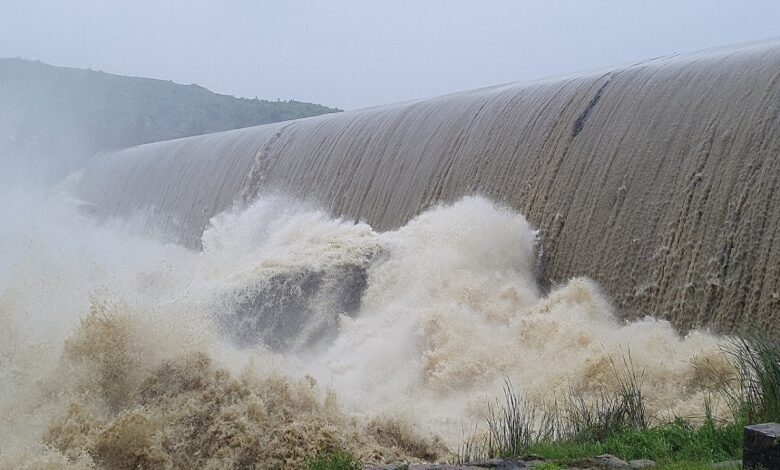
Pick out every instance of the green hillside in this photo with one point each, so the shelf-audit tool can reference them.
(65, 115)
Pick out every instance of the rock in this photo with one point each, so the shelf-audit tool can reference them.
(602, 461)
(641, 463)
(727, 465)
(610, 461)
(534, 462)
(428, 466)
(494, 464)
(762, 446)
(502, 464)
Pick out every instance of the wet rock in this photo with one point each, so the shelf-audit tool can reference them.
(762, 446)
(295, 308)
(641, 463)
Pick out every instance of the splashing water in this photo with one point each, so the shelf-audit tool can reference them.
(293, 333)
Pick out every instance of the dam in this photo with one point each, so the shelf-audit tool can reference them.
(658, 180)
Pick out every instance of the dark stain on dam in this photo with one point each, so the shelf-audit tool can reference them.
(579, 123)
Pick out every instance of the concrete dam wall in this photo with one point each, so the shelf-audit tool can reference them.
(658, 180)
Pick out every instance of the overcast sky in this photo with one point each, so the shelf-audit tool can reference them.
(352, 54)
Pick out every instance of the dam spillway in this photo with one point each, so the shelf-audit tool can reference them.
(658, 180)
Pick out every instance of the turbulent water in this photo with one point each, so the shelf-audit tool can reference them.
(119, 351)
(369, 281)
(657, 180)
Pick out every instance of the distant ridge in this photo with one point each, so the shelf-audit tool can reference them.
(68, 114)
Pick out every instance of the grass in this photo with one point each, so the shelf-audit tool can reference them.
(338, 460)
(677, 441)
(548, 466)
(514, 425)
(754, 395)
(683, 465)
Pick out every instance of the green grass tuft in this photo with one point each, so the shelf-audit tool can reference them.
(754, 396)
(334, 461)
(514, 425)
(548, 466)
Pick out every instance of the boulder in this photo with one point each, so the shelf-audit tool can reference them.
(641, 463)
(610, 461)
(762, 446)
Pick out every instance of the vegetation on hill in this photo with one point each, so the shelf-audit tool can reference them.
(67, 114)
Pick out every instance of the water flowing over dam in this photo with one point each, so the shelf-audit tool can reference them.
(659, 180)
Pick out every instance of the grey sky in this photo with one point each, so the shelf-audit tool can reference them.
(359, 53)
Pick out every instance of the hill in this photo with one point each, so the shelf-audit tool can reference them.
(65, 115)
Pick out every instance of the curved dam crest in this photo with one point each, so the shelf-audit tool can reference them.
(659, 180)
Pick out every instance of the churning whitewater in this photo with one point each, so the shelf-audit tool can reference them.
(293, 332)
